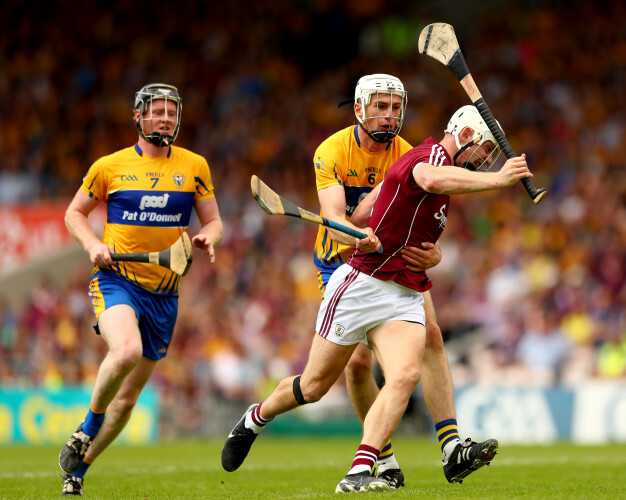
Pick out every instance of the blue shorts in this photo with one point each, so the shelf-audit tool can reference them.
(324, 272)
(156, 314)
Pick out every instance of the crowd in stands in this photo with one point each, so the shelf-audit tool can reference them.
(525, 294)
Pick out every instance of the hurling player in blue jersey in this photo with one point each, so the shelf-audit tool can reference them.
(149, 190)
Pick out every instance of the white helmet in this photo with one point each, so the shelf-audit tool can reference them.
(379, 83)
(468, 116)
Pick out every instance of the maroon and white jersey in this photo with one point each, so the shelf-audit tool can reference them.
(405, 215)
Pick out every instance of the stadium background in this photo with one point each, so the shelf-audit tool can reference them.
(531, 299)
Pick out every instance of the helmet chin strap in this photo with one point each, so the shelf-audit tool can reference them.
(467, 164)
(383, 137)
(159, 140)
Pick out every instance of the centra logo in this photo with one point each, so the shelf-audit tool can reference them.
(129, 178)
(154, 201)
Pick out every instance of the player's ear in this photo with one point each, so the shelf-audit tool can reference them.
(465, 135)
(358, 110)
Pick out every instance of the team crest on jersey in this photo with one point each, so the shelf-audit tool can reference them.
(179, 180)
(441, 217)
(339, 330)
(319, 164)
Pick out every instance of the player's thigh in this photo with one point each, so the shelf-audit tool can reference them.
(399, 346)
(327, 361)
(119, 327)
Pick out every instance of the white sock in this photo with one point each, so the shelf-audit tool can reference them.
(255, 421)
(388, 463)
(360, 468)
(448, 448)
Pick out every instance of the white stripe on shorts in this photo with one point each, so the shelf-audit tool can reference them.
(356, 302)
(330, 310)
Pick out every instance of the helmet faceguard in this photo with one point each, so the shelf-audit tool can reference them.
(147, 94)
(468, 116)
(375, 85)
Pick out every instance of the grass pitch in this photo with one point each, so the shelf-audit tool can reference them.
(311, 468)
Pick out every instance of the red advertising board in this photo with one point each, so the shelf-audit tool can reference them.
(29, 232)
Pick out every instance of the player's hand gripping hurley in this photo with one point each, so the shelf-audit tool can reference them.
(274, 204)
(176, 258)
(439, 42)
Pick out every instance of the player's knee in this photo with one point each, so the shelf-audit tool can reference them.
(405, 381)
(434, 338)
(310, 392)
(124, 360)
(359, 368)
(297, 392)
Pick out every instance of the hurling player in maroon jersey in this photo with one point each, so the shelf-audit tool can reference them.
(374, 300)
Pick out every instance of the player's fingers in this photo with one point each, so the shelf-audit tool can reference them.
(370, 235)
(414, 263)
(414, 253)
(104, 261)
(198, 240)
(523, 172)
(415, 269)
(412, 260)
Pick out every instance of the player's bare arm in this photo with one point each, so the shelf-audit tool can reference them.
(362, 213)
(333, 204)
(212, 230)
(455, 180)
(80, 229)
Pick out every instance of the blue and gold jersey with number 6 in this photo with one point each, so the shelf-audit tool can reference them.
(341, 160)
(148, 206)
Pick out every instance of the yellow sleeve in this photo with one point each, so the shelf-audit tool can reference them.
(95, 183)
(329, 169)
(204, 183)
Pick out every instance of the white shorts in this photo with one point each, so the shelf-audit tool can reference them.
(354, 303)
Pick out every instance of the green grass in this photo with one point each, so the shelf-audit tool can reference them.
(307, 468)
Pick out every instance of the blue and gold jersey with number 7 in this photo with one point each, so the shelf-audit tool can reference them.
(148, 206)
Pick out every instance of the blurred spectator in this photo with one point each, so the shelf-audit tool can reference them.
(259, 96)
(542, 348)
